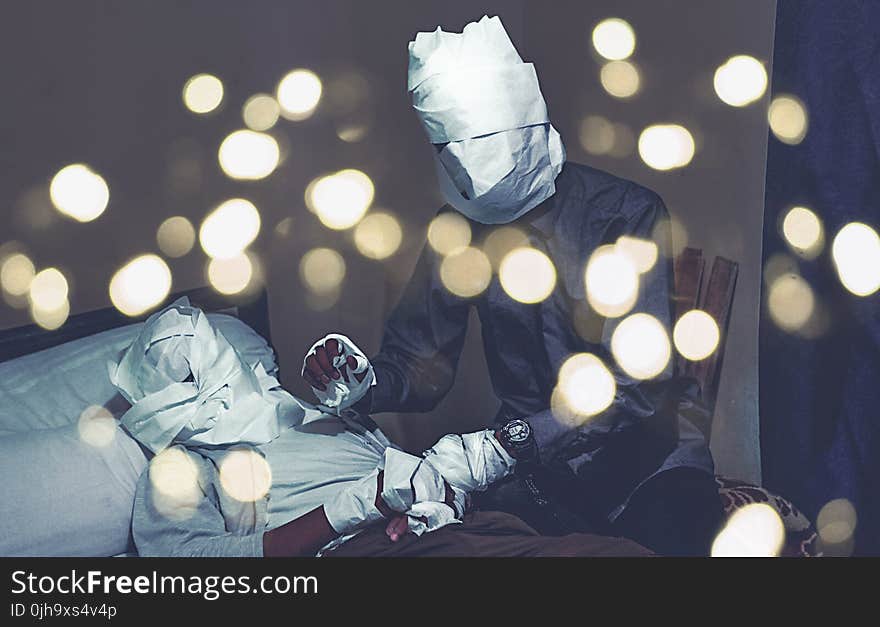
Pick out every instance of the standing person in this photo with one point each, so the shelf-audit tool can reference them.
(637, 469)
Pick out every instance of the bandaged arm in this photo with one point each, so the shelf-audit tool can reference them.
(194, 524)
(405, 485)
(471, 462)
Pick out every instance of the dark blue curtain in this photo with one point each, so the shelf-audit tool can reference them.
(820, 396)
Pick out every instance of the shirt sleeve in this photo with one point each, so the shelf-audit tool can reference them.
(186, 520)
(422, 343)
(636, 403)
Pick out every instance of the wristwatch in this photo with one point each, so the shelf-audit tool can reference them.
(518, 439)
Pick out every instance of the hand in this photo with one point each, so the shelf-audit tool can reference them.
(319, 367)
(398, 524)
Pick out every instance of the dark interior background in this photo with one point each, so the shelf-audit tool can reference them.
(100, 83)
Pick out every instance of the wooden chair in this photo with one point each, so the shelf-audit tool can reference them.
(698, 386)
(700, 379)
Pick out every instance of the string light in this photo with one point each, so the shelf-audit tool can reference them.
(740, 81)
(641, 346)
(466, 272)
(203, 93)
(614, 39)
(298, 94)
(79, 192)
(527, 275)
(140, 285)
(666, 146)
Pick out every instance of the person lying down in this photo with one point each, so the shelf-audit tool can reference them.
(242, 468)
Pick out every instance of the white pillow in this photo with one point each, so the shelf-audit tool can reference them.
(63, 497)
(59, 495)
(51, 388)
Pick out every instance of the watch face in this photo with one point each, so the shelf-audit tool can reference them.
(517, 431)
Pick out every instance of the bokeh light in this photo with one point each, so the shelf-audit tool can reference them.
(642, 253)
(640, 345)
(790, 301)
(231, 275)
(500, 241)
(79, 192)
(340, 200)
(788, 119)
(777, 265)
(624, 141)
(666, 146)
(176, 236)
(34, 209)
(696, 335)
(140, 284)
(322, 270)
(322, 301)
(203, 93)
(48, 290)
(673, 231)
(352, 133)
(282, 229)
(378, 235)
(740, 81)
(836, 525)
(245, 475)
(611, 281)
(175, 479)
(449, 232)
(466, 272)
(50, 318)
(248, 155)
(754, 530)
(586, 387)
(230, 228)
(527, 275)
(96, 426)
(614, 39)
(856, 254)
(620, 79)
(803, 231)
(298, 94)
(260, 112)
(596, 135)
(16, 273)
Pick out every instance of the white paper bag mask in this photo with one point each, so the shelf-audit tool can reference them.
(473, 93)
(225, 401)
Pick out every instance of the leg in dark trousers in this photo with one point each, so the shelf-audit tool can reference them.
(677, 513)
(486, 534)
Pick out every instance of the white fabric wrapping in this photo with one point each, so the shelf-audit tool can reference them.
(430, 516)
(409, 486)
(473, 93)
(408, 480)
(227, 401)
(412, 486)
(340, 395)
(355, 507)
(470, 462)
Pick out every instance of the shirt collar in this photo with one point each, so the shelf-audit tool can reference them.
(543, 217)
